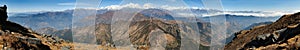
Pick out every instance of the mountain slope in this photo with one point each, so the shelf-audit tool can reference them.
(16, 37)
(141, 28)
(144, 29)
(282, 34)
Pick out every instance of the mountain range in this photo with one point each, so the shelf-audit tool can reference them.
(144, 24)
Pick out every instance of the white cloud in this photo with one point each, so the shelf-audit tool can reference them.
(184, 8)
(130, 5)
(148, 5)
(257, 14)
(297, 10)
(144, 6)
(167, 7)
(173, 8)
(261, 14)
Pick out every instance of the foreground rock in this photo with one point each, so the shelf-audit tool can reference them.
(282, 34)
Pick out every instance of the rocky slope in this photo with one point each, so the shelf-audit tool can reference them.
(282, 34)
(16, 37)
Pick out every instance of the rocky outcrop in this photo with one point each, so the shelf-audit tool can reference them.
(3, 13)
(282, 34)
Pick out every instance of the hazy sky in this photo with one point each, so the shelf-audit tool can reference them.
(58, 5)
(262, 5)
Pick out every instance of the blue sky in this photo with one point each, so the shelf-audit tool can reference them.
(58, 5)
(35, 5)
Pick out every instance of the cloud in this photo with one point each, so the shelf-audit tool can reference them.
(251, 13)
(185, 8)
(144, 6)
(130, 5)
(167, 7)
